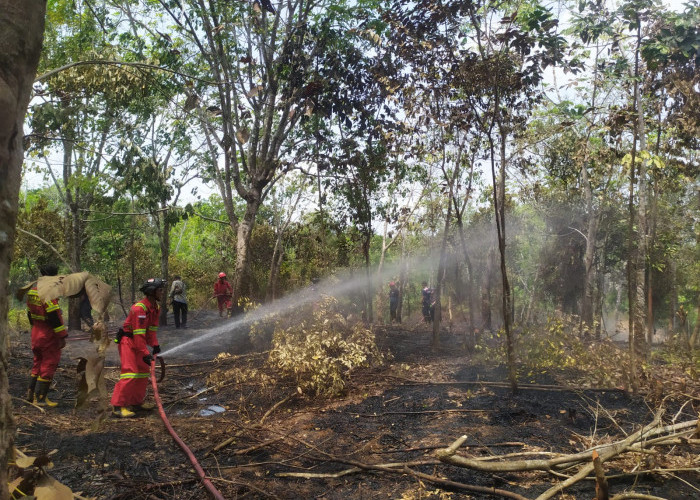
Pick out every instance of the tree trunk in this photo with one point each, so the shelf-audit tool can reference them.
(589, 257)
(369, 312)
(673, 297)
(640, 314)
(22, 25)
(245, 230)
(163, 227)
(440, 281)
(403, 275)
(499, 198)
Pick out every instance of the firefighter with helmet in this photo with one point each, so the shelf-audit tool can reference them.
(223, 292)
(48, 337)
(134, 338)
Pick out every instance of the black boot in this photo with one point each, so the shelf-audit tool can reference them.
(30, 390)
(42, 389)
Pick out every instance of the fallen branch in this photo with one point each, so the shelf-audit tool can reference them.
(28, 403)
(534, 387)
(425, 412)
(469, 445)
(640, 441)
(275, 406)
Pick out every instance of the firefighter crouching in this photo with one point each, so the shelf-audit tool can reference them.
(48, 338)
(136, 335)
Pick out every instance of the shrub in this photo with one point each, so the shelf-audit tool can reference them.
(321, 349)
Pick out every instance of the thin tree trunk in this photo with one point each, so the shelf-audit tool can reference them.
(22, 25)
(589, 256)
(499, 197)
(673, 299)
(403, 274)
(369, 312)
(640, 315)
(164, 239)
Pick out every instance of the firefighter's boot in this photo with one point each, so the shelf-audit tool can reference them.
(42, 389)
(143, 407)
(30, 389)
(122, 412)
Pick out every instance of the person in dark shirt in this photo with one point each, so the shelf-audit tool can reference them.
(427, 303)
(393, 301)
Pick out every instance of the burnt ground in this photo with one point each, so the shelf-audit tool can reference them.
(422, 399)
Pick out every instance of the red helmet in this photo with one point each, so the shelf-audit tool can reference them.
(391, 283)
(222, 275)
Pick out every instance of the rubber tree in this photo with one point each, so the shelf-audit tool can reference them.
(22, 26)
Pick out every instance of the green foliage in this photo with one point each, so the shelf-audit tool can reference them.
(322, 351)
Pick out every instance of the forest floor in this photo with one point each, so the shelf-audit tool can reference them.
(248, 436)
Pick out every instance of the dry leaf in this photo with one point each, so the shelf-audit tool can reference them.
(53, 287)
(243, 135)
(255, 91)
(24, 462)
(191, 102)
(99, 293)
(47, 488)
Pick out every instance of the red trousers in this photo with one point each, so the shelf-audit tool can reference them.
(133, 380)
(224, 302)
(46, 358)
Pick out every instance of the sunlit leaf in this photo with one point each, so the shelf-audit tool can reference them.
(47, 488)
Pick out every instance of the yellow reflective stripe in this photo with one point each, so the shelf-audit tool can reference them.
(59, 329)
(140, 331)
(52, 307)
(37, 316)
(41, 379)
(33, 292)
(142, 305)
(152, 328)
(134, 375)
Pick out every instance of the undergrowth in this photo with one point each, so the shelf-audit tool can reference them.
(555, 349)
(320, 349)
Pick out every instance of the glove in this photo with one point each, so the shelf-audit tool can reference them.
(156, 349)
(62, 343)
(148, 359)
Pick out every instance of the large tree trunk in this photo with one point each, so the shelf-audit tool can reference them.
(245, 230)
(22, 26)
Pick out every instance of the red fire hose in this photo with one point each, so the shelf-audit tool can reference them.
(205, 481)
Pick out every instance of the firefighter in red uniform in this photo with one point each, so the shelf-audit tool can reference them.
(223, 292)
(48, 338)
(138, 332)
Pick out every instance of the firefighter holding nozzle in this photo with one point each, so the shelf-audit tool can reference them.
(138, 333)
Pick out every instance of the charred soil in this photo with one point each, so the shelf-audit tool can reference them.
(258, 437)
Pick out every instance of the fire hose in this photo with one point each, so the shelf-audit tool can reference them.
(200, 472)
